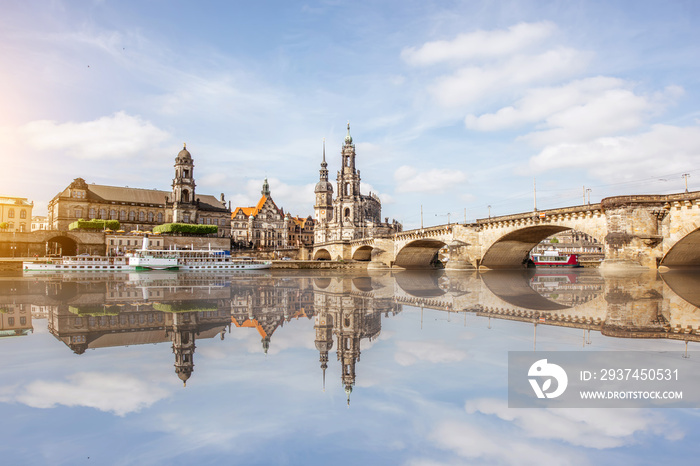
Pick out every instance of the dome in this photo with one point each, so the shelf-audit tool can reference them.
(323, 187)
(184, 153)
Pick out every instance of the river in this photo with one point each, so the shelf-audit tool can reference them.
(295, 367)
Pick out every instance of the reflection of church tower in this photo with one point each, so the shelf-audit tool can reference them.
(324, 339)
(184, 206)
(182, 333)
(349, 333)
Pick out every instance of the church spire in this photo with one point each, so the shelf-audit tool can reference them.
(323, 172)
(348, 138)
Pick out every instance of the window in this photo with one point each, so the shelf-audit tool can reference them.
(185, 196)
(22, 214)
(10, 321)
(103, 214)
(132, 215)
(11, 213)
(160, 217)
(150, 217)
(91, 213)
(142, 216)
(122, 215)
(113, 214)
(22, 227)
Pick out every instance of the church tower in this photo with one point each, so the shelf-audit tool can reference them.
(348, 206)
(324, 201)
(184, 205)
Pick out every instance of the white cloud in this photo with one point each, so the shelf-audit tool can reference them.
(578, 111)
(117, 136)
(474, 442)
(471, 84)
(411, 352)
(436, 180)
(592, 428)
(479, 44)
(626, 157)
(117, 393)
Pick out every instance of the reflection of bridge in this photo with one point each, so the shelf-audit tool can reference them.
(636, 231)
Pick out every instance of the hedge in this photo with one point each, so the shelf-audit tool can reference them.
(94, 225)
(186, 228)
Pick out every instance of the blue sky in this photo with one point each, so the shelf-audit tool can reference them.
(453, 105)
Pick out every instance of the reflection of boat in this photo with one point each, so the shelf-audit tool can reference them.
(552, 258)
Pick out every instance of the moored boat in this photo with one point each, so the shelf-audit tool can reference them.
(552, 258)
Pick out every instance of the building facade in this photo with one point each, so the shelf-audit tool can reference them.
(301, 231)
(141, 209)
(40, 222)
(351, 215)
(263, 226)
(15, 213)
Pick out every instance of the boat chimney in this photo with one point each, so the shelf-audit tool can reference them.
(144, 246)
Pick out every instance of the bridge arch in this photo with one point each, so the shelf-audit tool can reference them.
(513, 249)
(419, 253)
(685, 251)
(363, 253)
(322, 255)
(62, 245)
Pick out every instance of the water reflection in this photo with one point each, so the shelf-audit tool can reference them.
(420, 357)
(101, 311)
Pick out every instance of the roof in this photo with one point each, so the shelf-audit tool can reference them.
(248, 211)
(21, 201)
(103, 193)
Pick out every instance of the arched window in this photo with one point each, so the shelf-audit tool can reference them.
(142, 216)
(113, 214)
(103, 214)
(185, 196)
(11, 213)
(91, 213)
(150, 217)
(160, 217)
(132, 215)
(122, 215)
(22, 214)
(347, 212)
(78, 212)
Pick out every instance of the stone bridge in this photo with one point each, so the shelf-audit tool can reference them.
(27, 244)
(643, 231)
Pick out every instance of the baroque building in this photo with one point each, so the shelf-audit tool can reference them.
(351, 215)
(141, 209)
(15, 213)
(262, 226)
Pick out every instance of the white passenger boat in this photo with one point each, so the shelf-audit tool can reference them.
(194, 260)
(82, 263)
(151, 259)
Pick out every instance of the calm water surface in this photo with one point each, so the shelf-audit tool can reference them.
(302, 368)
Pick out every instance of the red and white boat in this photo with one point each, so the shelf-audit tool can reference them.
(552, 258)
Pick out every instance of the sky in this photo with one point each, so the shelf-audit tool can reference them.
(461, 107)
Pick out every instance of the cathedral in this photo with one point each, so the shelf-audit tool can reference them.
(351, 215)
